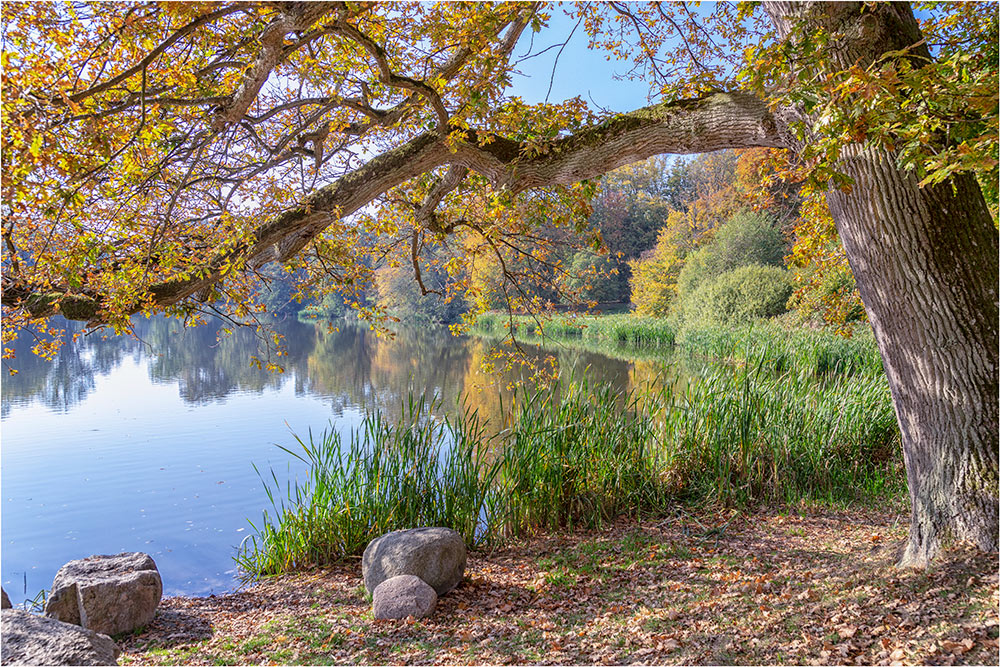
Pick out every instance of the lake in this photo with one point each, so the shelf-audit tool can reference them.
(150, 445)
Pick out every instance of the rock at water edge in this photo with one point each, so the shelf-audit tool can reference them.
(109, 594)
(27, 639)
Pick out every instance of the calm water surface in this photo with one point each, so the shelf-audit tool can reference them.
(118, 445)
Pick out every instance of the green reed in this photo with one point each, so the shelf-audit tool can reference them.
(385, 476)
(819, 351)
(752, 435)
(578, 455)
(621, 330)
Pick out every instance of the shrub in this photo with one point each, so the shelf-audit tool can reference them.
(698, 269)
(747, 238)
(743, 294)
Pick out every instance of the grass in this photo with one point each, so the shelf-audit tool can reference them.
(749, 434)
(579, 456)
(619, 330)
(385, 476)
(818, 351)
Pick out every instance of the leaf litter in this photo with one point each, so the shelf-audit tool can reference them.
(813, 588)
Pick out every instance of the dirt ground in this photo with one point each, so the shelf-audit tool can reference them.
(814, 587)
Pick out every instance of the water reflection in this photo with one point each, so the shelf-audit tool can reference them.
(121, 444)
(346, 364)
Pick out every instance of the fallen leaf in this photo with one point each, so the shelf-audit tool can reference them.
(957, 648)
(807, 594)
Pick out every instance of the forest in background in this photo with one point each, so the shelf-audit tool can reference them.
(712, 239)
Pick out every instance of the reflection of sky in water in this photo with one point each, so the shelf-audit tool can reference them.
(117, 446)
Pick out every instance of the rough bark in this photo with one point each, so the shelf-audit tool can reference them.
(926, 264)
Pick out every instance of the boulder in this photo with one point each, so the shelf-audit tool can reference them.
(402, 596)
(109, 594)
(436, 555)
(4, 600)
(28, 639)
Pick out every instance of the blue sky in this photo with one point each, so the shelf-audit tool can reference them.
(579, 71)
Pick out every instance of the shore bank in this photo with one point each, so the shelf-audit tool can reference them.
(814, 587)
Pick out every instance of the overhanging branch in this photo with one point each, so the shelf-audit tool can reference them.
(710, 123)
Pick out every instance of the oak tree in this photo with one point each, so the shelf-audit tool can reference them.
(157, 156)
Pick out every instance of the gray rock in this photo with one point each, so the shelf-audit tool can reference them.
(109, 594)
(436, 555)
(4, 600)
(402, 596)
(28, 639)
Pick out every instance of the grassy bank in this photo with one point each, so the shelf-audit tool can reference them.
(581, 456)
(623, 329)
(820, 352)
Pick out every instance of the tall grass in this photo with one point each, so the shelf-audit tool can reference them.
(818, 351)
(580, 455)
(385, 476)
(622, 329)
(752, 435)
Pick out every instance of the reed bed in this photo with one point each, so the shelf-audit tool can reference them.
(384, 476)
(752, 435)
(819, 351)
(580, 455)
(623, 329)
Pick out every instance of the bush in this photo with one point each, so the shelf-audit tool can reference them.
(747, 238)
(698, 269)
(737, 296)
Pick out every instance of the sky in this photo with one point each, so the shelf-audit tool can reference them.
(578, 70)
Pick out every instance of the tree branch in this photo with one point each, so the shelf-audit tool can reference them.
(713, 122)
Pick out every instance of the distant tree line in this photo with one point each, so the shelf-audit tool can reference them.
(713, 239)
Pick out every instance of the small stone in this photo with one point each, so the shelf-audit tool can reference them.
(4, 600)
(108, 594)
(403, 596)
(436, 555)
(37, 640)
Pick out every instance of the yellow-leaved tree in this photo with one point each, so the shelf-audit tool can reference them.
(156, 156)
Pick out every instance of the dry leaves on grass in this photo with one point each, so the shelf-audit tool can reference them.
(762, 589)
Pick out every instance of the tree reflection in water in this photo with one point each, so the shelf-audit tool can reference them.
(345, 363)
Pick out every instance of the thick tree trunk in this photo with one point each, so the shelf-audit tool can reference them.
(926, 263)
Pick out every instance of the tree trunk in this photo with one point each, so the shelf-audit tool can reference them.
(926, 264)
